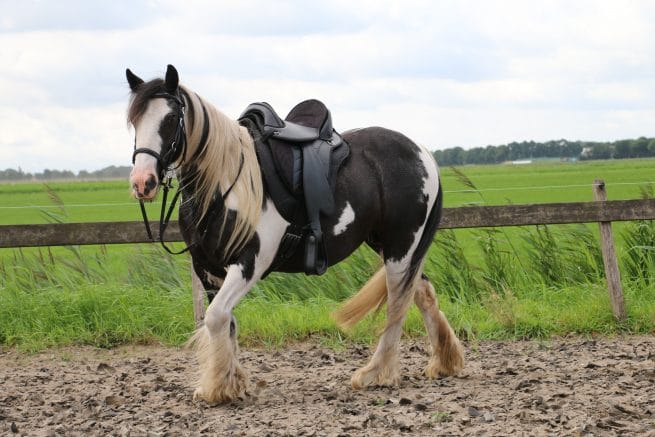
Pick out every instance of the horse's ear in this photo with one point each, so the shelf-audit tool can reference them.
(134, 80)
(172, 79)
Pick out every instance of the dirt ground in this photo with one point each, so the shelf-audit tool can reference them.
(561, 387)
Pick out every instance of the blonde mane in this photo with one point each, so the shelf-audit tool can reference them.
(218, 168)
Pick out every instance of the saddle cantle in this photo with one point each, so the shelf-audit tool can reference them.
(299, 158)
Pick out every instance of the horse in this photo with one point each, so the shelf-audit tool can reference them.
(387, 194)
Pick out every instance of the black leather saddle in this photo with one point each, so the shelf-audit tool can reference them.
(299, 158)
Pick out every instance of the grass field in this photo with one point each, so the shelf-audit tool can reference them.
(493, 283)
(498, 184)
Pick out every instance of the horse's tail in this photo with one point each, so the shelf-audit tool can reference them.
(371, 296)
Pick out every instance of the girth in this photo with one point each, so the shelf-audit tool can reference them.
(299, 158)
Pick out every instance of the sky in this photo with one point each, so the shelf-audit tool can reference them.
(445, 73)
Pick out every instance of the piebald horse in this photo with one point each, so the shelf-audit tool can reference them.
(387, 195)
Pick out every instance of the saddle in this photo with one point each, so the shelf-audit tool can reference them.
(299, 158)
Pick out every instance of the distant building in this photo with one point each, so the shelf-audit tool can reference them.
(586, 152)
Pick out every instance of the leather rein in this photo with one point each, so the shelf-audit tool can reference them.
(166, 173)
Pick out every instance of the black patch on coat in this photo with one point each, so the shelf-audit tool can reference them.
(206, 243)
(398, 173)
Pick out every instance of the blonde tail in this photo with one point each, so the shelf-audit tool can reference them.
(371, 296)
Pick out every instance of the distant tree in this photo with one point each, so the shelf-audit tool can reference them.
(601, 151)
(639, 148)
(651, 147)
(502, 154)
(622, 149)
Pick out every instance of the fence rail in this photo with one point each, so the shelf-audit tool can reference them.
(602, 211)
(66, 234)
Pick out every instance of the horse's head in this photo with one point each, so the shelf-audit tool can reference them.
(156, 112)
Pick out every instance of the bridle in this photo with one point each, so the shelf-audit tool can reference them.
(166, 172)
(178, 145)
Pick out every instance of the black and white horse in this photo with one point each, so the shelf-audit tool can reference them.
(387, 195)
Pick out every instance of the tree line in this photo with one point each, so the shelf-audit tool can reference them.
(111, 172)
(641, 147)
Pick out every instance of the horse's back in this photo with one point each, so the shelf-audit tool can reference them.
(390, 159)
(382, 189)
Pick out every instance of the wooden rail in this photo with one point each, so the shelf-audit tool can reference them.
(453, 218)
(602, 211)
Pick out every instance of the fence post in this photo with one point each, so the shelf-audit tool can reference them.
(612, 273)
(198, 298)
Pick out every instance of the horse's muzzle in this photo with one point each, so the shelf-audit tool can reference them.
(144, 188)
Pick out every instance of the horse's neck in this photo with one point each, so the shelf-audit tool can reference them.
(204, 133)
(214, 153)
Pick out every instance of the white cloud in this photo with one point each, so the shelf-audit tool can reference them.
(447, 73)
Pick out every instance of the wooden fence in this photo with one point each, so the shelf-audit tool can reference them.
(601, 210)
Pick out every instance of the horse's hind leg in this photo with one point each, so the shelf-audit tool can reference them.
(447, 354)
(383, 369)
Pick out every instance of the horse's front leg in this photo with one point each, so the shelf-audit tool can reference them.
(221, 377)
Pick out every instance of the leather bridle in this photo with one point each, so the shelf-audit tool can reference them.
(166, 171)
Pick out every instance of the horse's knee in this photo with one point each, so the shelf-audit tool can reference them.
(218, 321)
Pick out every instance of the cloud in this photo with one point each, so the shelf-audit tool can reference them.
(446, 73)
(40, 15)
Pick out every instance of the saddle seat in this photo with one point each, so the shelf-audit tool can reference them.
(299, 158)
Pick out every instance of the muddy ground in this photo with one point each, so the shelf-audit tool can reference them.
(560, 387)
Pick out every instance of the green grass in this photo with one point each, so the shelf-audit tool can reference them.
(107, 316)
(25, 203)
(499, 184)
(530, 282)
(546, 182)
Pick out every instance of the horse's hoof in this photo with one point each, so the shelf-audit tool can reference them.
(450, 365)
(198, 395)
(369, 377)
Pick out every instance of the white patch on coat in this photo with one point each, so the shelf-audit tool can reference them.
(431, 182)
(346, 218)
(270, 230)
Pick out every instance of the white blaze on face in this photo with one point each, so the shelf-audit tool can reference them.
(147, 137)
(346, 218)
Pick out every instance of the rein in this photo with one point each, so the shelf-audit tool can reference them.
(167, 173)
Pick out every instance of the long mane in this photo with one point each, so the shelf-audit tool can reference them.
(216, 162)
(218, 165)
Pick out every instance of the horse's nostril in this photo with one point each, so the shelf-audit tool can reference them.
(151, 183)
